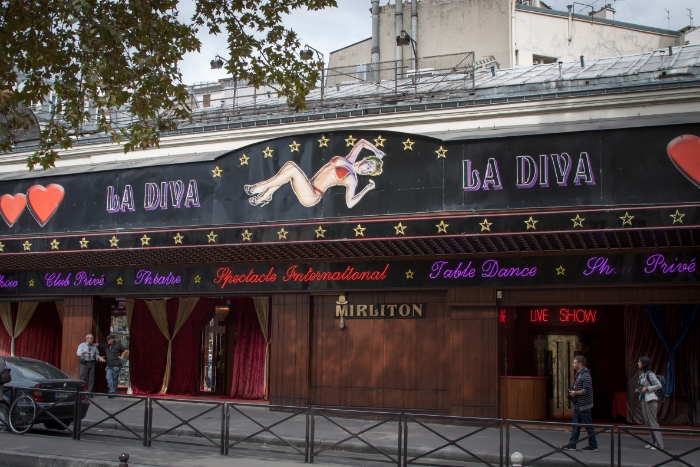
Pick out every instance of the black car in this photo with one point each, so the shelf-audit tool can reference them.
(52, 389)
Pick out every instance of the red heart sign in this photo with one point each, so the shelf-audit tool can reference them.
(43, 202)
(11, 207)
(684, 151)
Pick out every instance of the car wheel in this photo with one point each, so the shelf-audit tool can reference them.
(54, 425)
(4, 410)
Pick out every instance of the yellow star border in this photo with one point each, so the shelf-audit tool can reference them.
(114, 242)
(320, 232)
(442, 227)
(197, 279)
(27, 246)
(120, 281)
(379, 142)
(350, 141)
(295, 146)
(409, 274)
(531, 224)
(400, 229)
(486, 225)
(2, 247)
(178, 239)
(560, 271)
(31, 282)
(54, 244)
(441, 153)
(84, 243)
(677, 217)
(217, 172)
(247, 235)
(408, 145)
(627, 219)
(268, 152)
(282, 234)
(211, 237)
(244, 160)
(144, 240)
(323, 142)
(359, 231)
(578, 221)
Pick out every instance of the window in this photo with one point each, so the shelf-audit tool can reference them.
(543, 60)
(33, 370)
(206, 100)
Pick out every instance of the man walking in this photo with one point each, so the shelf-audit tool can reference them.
(114, 354)
(582, 396)
(88, 354)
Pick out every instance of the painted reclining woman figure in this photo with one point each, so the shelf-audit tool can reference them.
(339, 171)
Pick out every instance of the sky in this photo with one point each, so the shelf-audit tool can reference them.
(332, 29)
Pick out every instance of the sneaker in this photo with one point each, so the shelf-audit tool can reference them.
(568, 447)
(589, 449)
(653, 448)
(648, 446)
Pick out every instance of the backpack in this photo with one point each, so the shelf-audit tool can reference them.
(661, 393)
(5, 376)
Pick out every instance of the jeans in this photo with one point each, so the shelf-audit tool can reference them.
(584, 417)
(113, 378)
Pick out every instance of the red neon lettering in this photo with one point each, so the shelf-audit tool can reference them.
(502, 316)
(539, 316)
(349, 274)
(225, 276)
(580, 315)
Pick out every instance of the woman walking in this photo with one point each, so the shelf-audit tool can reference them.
(646, 388)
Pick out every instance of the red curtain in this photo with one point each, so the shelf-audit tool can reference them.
(149, 348)
(42, 337)
(249, 359)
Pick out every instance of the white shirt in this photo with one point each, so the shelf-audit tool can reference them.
(92, 356)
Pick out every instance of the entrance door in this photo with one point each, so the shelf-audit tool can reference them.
(560, 352)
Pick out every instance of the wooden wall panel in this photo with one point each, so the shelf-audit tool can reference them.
(77, 322)
(383, 363)
(600, 295)
(289, 350)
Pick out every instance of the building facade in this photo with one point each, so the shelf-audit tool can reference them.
(423, 255)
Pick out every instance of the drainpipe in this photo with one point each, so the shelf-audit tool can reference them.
(571, 19)
(414, 29)
(375, 39)
(399, 28)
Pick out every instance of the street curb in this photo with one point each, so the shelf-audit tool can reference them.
(17, 459)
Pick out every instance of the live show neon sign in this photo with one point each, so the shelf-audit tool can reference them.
(565, 315)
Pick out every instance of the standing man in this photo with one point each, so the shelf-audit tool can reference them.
(114, 353)
(88, 354)
(582, 396)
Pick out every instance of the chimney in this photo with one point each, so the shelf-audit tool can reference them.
(607, 12)
(399, 28)
(375, 37)
(414, 21)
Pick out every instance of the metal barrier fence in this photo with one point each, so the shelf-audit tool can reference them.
(523, 425)
(630, 430)
(403, 439)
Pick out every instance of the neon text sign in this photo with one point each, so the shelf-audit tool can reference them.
(7, 283)
(565, 315)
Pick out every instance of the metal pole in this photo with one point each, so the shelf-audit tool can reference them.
(323, 82)
(222, 445)
(228, 429)
(405, 440)
(612, 447)
(500, 437)
(507, 452)
(396, 78)
(398, 450)
(311, 434)
(145, 423)
(619, 448)
(150, 422)
(306, 438)
(76, 416)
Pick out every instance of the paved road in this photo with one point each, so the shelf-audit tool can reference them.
(288, 431)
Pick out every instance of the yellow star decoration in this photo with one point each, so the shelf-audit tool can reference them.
(27, 246)
(442, 153)
(217, 172)
(359, 231)
(84, 243)
(323, 142)
(178, 239)
(31, 282)
(442, 227)
(211, 237)
(282, 234)
(144, 240)
(409, 274)
(677, 217)
(120, 281)
(295, 146)
(560, 271)
(379, 142)
(531, 223)
(268, 152)
(320, 232)
(54, 244)
(578, 221)
(400, 229)
(247, 235)
(244, 160)
(627, 219)
(197, 279)
(114, 242)
(408, 145)
(350, 142)
(486, 225)
(2, 247)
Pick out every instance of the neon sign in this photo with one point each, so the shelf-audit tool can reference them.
(348, 275)
(148, 278)
(566, 315)
(57, 279)
(489, 269)
(7, 284)
(225, 276)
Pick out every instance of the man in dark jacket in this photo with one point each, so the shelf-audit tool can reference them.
(582, 396)
(114, 354)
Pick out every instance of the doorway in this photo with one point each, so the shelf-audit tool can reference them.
(554, 354)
